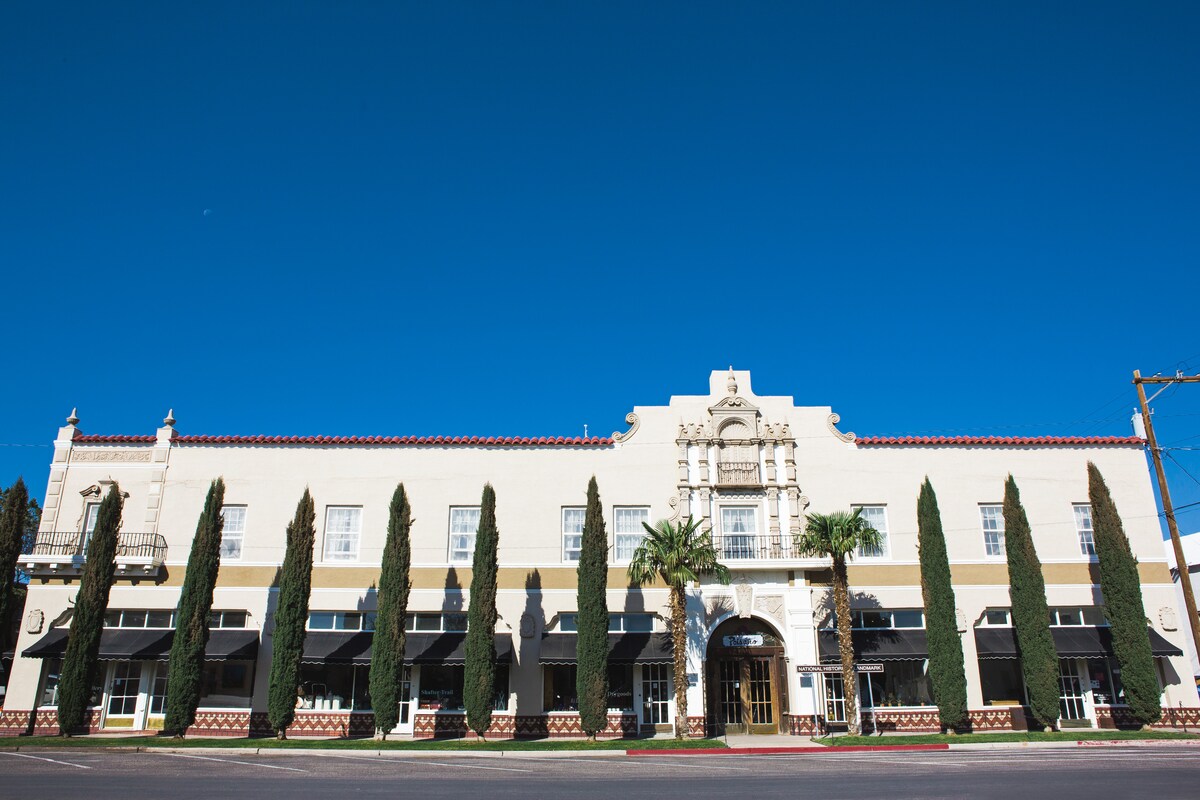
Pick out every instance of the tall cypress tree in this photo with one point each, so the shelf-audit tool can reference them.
(387, 649)
(480, 671)
(13, 518)
(186, 664)
(946, 671)
(1122, 590)
(83, 640)
(591, 677)
(291, 616)
(1030, 614)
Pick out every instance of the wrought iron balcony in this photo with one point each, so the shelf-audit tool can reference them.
(738, 473)
(754, 546)
(64, 552)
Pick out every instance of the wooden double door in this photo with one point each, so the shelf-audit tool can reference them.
(747, 695)
(746, 679)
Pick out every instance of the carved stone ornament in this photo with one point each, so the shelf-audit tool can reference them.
(528, 626)
(34, 621)
(771, 605)
(832, 420)
(632, 420)
(960, 620)
(1168, 618)
(673, 502)
(110, 455)
(744, 594)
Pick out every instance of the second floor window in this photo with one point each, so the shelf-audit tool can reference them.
(992, 518)
(876, 517)
(232, 531)
(572, 532)
(739, 527)
(617, 623)
(341, 620)
(464, 523)
(91, 512)
(629, 530)
(343, 526)
(1083, 525)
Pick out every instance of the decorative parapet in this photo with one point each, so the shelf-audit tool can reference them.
(634, 423)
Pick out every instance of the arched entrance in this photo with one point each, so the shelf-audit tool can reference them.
(746, 678)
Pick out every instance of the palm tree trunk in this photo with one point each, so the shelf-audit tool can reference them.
(841, 604)
(679, 642)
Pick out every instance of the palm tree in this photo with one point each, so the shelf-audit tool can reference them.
(838, 535)
(680, 553)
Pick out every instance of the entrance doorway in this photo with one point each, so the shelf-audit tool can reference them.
(746, 678)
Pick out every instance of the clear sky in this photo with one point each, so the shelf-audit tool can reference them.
(521, 218)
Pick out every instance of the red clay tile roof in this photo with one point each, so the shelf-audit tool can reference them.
(469, 441)
(998, 441)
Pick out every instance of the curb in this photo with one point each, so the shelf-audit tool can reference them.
(746, 751)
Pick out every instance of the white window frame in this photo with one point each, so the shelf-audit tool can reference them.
(91, 513)
(231, 536)
(464, 554)
(567, 550)
(1087, 535)
(739, 544)
(885, 545)
(983, 524)
(355, 535)
(627, 538)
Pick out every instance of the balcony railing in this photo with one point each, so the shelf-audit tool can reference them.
(65, 551)
(738, 473)
(754, 546)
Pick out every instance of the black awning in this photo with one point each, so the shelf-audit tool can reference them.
(877, 645)
(635, 648)
(354, 647)
(1074, 642)
(133, 644)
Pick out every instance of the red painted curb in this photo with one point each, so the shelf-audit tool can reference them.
(735, 751)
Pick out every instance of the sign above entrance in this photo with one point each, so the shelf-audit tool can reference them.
(743, 640)
(836, 668)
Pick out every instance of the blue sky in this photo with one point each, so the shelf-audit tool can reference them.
(520, 218)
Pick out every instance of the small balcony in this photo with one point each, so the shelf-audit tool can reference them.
(64, 552)
(738, 473)
(754, 546)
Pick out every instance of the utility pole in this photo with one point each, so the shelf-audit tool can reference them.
(1185, 580)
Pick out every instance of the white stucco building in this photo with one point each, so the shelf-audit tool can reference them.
(749, 466)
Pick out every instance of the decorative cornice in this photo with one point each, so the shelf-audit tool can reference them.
(632, 420)
(832, 420)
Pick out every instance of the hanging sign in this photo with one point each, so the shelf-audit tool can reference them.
(833, 669)
(743, 640)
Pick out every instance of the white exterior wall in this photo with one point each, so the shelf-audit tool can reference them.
(652, 467)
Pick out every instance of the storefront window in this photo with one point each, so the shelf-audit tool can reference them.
(1001, 683)
(559, 688)
(902, 683)
(334, 687)
(226, 684)
(620, 687)
(53, 671)
(1104, 676)
(441, 688)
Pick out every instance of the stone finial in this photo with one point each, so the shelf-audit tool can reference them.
(74, 418)
(169, 420)
(731, 384)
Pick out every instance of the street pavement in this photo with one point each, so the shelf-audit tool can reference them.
(1159, 771)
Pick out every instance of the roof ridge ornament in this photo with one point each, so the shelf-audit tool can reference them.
(74, 418)
(169, 420)
(731, 383)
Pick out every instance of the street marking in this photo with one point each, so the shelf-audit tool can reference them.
(231, 761)
(693, 764)
(421, 761)
(51, 760)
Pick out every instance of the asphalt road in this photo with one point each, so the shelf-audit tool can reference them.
(1142, 771)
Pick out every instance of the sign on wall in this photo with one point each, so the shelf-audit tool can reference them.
(743, 640)
(836, 668)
